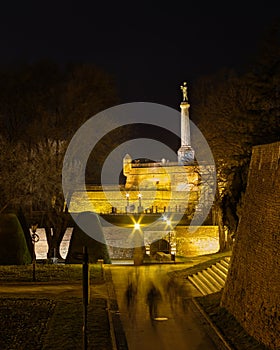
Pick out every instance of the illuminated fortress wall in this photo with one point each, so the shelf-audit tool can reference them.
(161, 175)
(172, 188)
(252, 290)
(186, 241)
(159, 200)
(193, 241)
(157, 187)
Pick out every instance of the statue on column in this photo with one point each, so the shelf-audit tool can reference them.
(184, 90)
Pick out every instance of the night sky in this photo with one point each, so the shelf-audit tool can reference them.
(149, 49)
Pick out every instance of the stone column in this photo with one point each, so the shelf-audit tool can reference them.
(185, 153)
(185, 125)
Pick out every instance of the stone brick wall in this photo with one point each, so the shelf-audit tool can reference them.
(252, 290)
(193, 241)
(102, 202)
(161, 177)
(188, 241)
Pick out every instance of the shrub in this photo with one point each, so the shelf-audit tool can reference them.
(13, 247)
(95, 246)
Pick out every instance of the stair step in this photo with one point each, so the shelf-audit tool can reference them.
(204, 286)
(227, 259)
(207, 282)
(216, 276)
(213, 280)
(222, 268)
(224, 263)
(197, 284)
(219, 272)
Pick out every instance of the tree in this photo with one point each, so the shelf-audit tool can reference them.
(222, 118)
(41, 107)
(264, 81)
(235, 112)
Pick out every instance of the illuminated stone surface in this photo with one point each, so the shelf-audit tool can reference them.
(153, 188)
(184, 240)
(185, 152)
(161, 200)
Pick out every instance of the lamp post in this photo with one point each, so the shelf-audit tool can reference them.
(140, 209)
(127, 202)
(86, 296)
(139, 246)
(139, 197)
(35, 239)
(171, 235)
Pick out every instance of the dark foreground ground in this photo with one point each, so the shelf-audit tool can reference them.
(29, 324)
(48, 314)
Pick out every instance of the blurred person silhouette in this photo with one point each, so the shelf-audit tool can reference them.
(130, 297)
(153, 299)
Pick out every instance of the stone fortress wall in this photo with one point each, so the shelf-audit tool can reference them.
(159, 187)
(252, 290)
(187, 241)
(102, 202)
(164, 188)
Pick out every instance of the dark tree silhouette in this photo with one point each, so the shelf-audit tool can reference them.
(41, 107)
(234, 112)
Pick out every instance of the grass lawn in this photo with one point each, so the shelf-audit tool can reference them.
(49, 273)
(23, 322)
(51, 321)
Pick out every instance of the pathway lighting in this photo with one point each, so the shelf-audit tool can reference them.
(35, 239)
(127, 202)
(140, 209)
(139, 197)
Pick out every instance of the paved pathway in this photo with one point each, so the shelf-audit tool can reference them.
(155, 313)
(58, 290)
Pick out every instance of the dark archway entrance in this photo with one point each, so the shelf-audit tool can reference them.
(160, 245)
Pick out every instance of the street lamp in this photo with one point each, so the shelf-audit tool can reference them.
(140, 209)
(167, 220)
(127, 202)
(169, 224)
(139, 197)
(35, 239)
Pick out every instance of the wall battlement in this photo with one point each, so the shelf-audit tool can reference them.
(266, 156)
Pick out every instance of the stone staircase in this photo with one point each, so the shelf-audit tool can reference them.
(212, 279)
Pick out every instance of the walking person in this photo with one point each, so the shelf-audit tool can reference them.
(153, 299)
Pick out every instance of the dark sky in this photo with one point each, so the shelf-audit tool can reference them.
(150, 49)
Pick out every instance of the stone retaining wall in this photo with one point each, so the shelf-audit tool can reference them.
(252, 290)
(188, 241)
